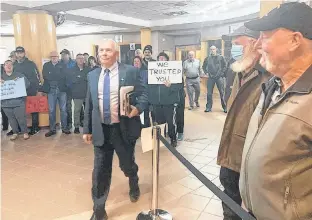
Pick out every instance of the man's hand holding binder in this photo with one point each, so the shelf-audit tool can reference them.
(127, 102)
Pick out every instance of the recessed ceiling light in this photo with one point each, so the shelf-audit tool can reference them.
(176, 13)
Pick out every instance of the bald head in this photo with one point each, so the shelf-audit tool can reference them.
(108, 52)
(191, 55)
(213, 50)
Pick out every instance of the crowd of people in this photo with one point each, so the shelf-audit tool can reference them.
(266, 143)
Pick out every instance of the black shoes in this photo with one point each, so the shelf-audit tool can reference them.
(225, 111)
(66, 132)
(96, 217)
(208, 110)
(34, 131)
(134, 192)
(174, 142)
(10, 133)
(197, 105)
(50, 133)
(76, 131)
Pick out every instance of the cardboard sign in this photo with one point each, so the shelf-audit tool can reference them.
(161, 71)
(37, 104)
(11, 89)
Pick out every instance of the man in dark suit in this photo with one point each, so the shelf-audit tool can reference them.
(107, 129)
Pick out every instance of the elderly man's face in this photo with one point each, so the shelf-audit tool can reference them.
(107, 53)
(276, 48)
(191, 55)
(250, 54)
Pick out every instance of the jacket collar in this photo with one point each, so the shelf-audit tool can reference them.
(302, 85)
(121, 73)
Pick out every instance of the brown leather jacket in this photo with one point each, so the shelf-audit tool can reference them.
(276, 173)
(242, 103)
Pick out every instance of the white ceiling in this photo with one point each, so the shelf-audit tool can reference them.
(127, 16)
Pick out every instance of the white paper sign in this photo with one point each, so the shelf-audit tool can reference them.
(161, 71)
(147, 138)
(11, 89)
(132, 46)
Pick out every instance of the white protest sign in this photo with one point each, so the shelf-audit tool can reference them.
(132, 46)
(161, 71)
(13, 89)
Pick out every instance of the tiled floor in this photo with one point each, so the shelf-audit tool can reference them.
(50, 178)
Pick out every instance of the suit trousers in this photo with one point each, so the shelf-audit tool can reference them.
(103, 160)
(230, 181)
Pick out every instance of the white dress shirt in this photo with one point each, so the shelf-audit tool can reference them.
(114, 89)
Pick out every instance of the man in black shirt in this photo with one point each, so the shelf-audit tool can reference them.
(55, 79)
(215, 67)
(78, 88)
(29, 69)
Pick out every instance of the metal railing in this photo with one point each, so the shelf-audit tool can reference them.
(158, 214)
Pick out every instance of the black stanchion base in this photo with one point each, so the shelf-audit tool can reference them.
(161, 215)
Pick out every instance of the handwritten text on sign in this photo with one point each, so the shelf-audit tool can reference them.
(12, 89)
(161, 71)
(37, 104)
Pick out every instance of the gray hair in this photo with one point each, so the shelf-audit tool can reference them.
(116, 45)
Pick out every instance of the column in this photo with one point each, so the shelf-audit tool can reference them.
(35, 31)
(267, 6)
(203, 54)
(146, 37)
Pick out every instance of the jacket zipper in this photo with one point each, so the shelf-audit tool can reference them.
(158, 94)
(286, 195)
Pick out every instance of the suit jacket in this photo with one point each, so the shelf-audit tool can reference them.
(130, 127)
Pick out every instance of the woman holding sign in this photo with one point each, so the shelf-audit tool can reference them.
(164, 98)
(13, 99)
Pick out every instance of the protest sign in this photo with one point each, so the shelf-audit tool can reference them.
(11, 89)
(161, 71)
(37, 104)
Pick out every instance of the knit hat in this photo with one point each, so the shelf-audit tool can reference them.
(148, 47)
(163, 54)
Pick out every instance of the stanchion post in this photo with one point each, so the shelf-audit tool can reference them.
(155, 213)
(155, 161)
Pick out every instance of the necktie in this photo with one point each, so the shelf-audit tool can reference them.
(106, 97)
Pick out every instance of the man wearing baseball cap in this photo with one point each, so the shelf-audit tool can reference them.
(277, 162)
(244, 98)
(30, 70)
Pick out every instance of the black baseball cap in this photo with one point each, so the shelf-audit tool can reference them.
(295, 16)
(65, 51)
(20, 49)
(242, 31)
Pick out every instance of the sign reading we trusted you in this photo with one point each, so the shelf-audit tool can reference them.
(161, 71)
